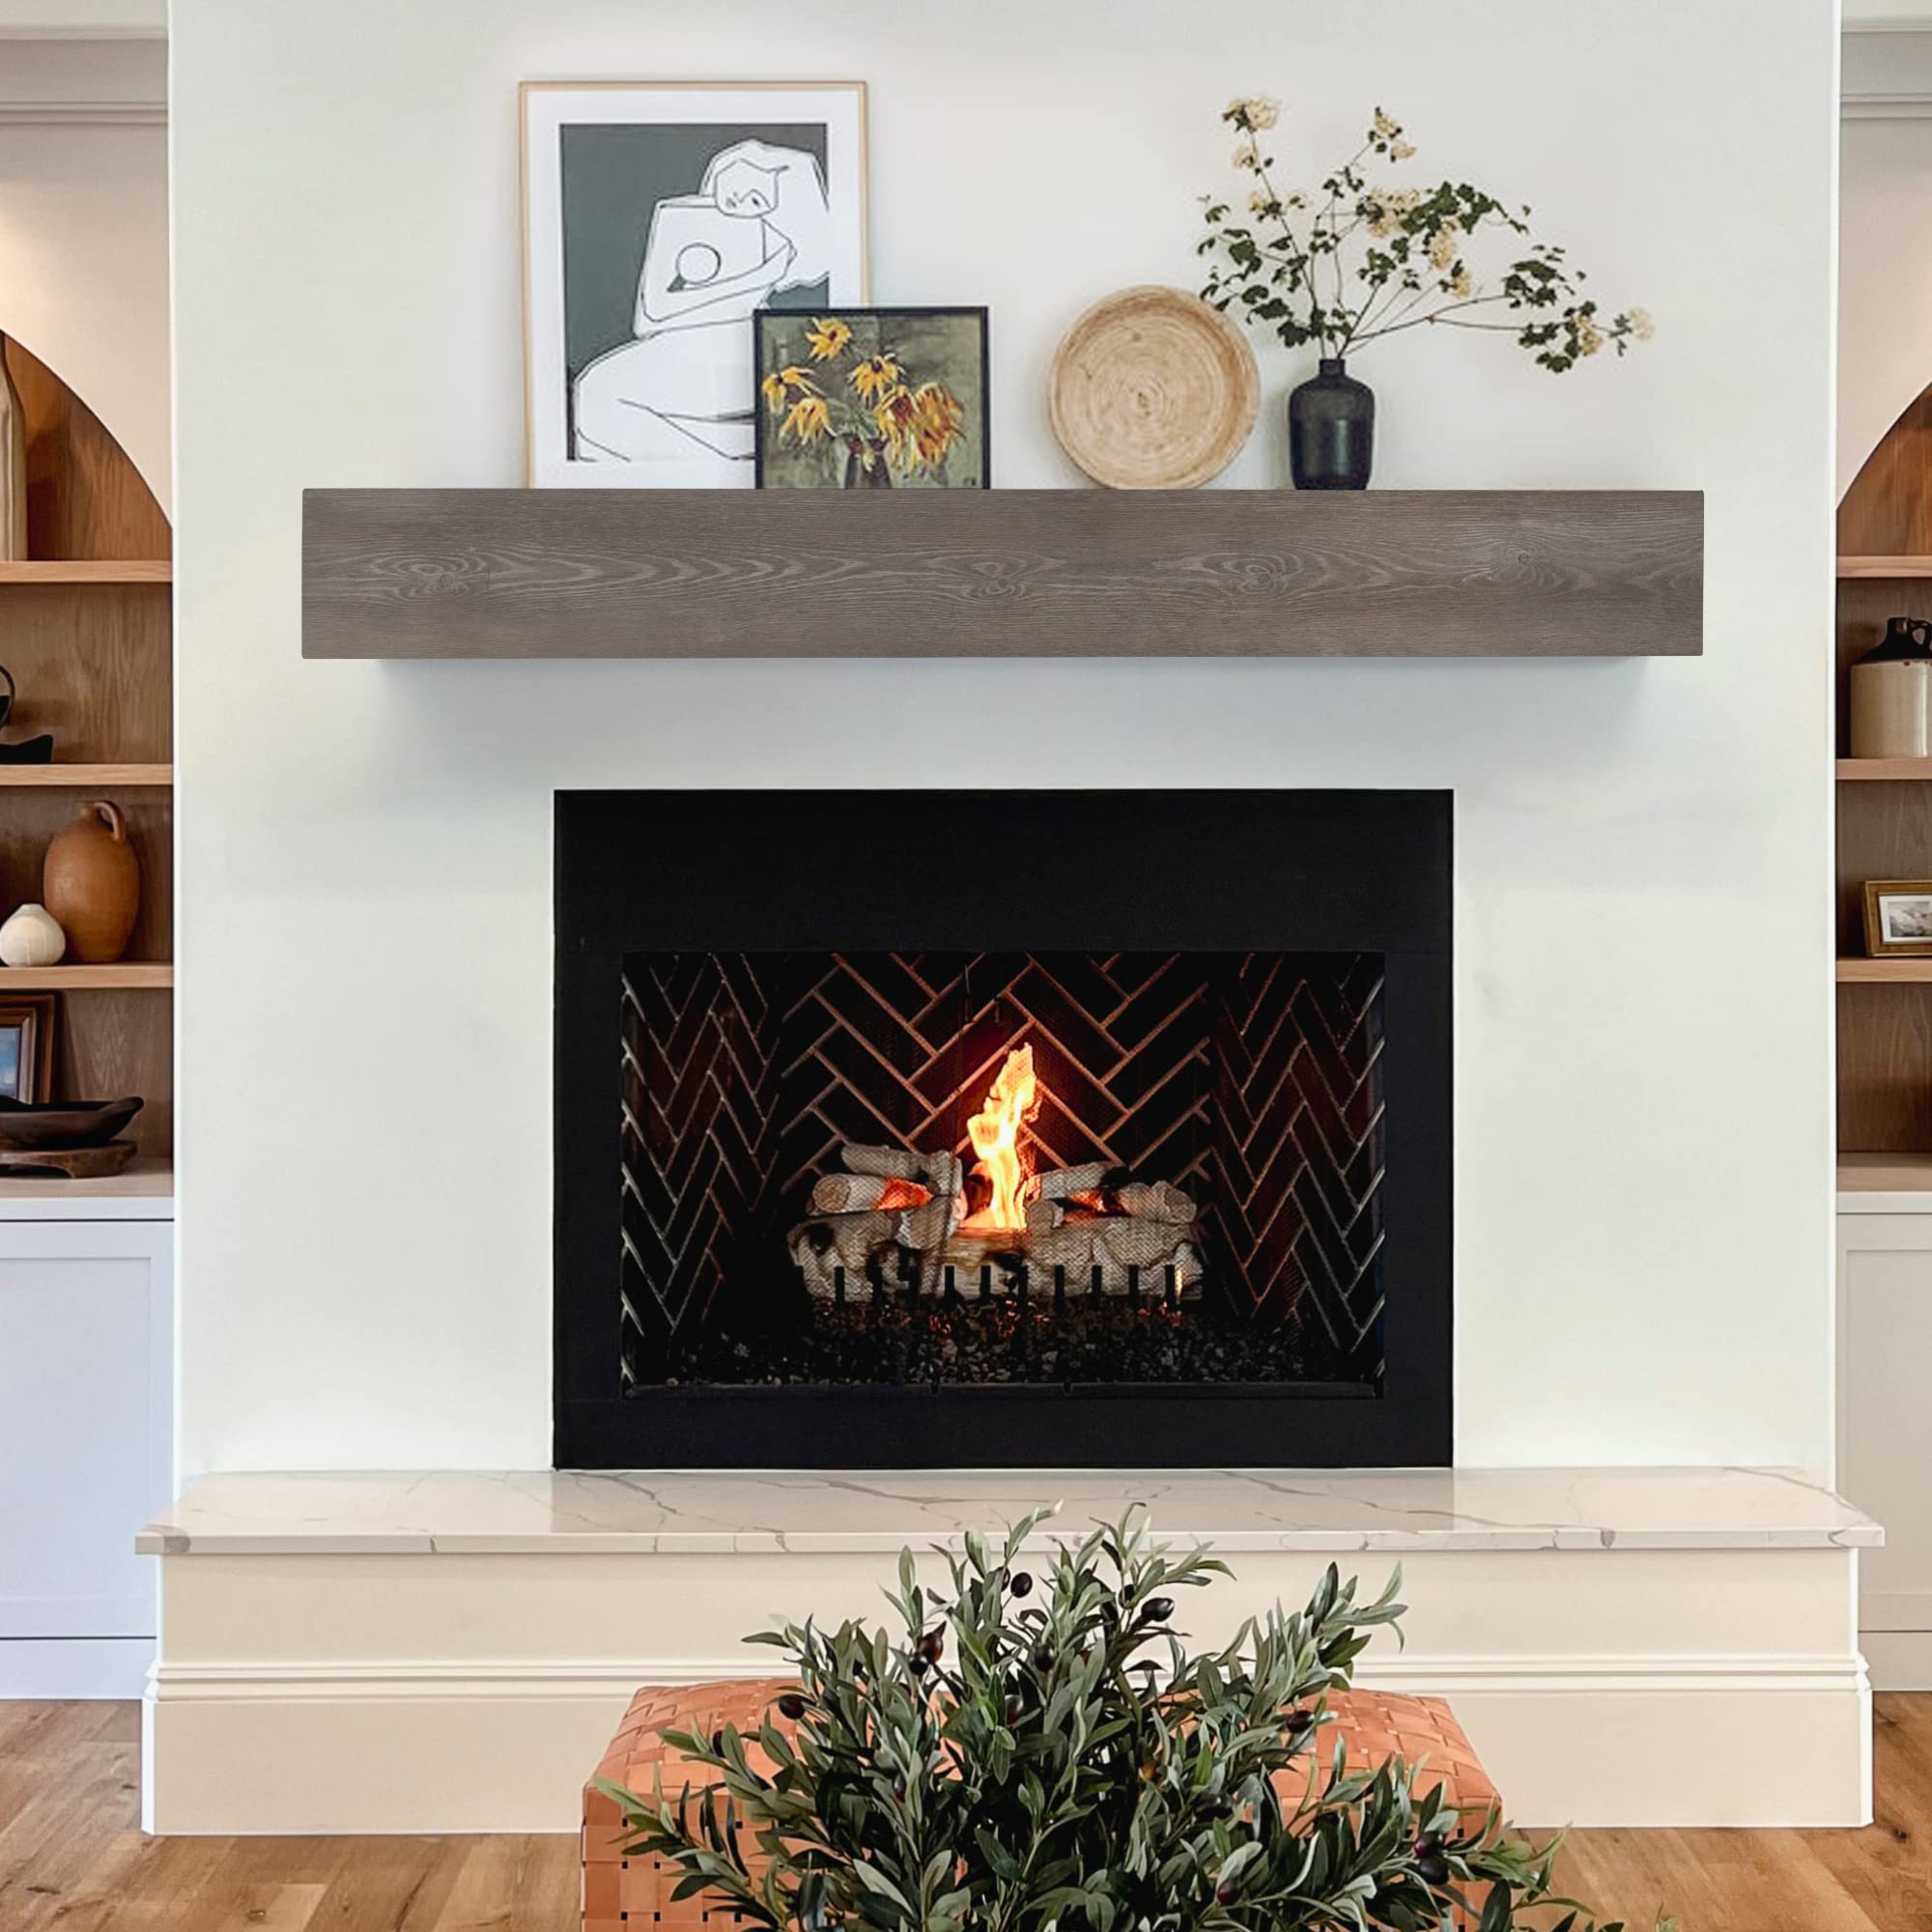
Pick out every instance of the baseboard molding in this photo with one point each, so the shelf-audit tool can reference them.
(1900, 1659)
(380, 1748)
(80, 1668)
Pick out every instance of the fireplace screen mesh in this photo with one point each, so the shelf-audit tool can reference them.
(1020, 1168)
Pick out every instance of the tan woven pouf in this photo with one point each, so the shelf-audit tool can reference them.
(620, 1893)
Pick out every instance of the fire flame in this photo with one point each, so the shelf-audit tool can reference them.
(1013, 1101)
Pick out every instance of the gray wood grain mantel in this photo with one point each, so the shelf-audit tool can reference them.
(1000, 573)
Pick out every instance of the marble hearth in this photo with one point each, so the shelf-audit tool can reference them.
(446, 1652)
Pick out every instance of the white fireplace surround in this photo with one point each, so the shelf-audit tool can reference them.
(442, 1652)
(1643, 1057)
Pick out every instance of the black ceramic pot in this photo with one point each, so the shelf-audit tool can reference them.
(1331, 430)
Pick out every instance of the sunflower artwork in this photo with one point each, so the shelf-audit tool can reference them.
(872, 399)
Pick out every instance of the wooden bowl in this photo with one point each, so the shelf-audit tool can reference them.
(62, 1123)
(1152, 389)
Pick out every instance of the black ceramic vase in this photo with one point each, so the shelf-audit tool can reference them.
(1331, 430)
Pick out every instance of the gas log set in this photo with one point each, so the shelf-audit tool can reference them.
(895, 1222)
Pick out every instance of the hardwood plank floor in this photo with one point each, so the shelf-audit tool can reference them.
(72, 1857)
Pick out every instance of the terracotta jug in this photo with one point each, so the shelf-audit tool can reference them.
(92, 882)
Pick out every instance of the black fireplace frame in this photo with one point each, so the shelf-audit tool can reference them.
(718, 871)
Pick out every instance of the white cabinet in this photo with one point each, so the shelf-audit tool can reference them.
(1885, 1423)
(86, 1371)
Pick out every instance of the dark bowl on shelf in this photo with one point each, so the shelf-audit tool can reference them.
(29, 751)
(64, 1123)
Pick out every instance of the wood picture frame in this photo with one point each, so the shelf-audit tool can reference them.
(657, 215)
(28, 1034)
(1898, 918)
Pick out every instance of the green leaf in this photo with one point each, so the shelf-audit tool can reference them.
(874, 1880)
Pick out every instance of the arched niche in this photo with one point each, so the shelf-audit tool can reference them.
(85, 497)
(92, 662)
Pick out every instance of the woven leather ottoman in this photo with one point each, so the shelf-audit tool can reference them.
(634, 1892)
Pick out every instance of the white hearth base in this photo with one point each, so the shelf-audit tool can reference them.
(445, 1652)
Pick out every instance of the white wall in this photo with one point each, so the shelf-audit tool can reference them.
(1643, 1098)
(84, 230)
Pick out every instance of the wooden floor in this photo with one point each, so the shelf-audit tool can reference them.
(72, 1857)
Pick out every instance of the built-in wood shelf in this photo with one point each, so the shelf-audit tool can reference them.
(89, 570)
(1901, 771)
(1881, 568)
(1002, 573)
(1884, 1172)
(126, 975)
(1910, 970)
(38, 1196)
(87, 776)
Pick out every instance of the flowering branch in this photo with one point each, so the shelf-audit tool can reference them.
(1402, 248)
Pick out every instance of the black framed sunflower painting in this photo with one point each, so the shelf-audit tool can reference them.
(872, 399)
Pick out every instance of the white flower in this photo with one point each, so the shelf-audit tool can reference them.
(1442, 248)
(1641, 326)
(1402, 150)
(1382, 209)
(1460, 284)
(1386, 127)
(1260, 112)
(1589, 337)
(1246, 157)
(1262, 202)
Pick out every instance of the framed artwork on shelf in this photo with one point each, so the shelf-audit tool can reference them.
(873, 398)
(1898, 917)
(658, 216)
(27, 1022)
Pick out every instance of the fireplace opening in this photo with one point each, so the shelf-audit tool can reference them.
(863, 1161)
(956, 1169)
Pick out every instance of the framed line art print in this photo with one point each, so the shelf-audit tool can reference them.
(658, 217)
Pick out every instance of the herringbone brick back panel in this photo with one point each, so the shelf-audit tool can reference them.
(1250, 1079)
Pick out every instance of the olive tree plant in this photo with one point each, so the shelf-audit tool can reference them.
(1017, 1755)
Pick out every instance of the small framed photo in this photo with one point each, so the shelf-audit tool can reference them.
(873, 398)
(27, 1046)
(657, 215)
(1898, 916)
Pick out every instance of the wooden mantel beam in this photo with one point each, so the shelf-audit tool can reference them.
(1000, 573)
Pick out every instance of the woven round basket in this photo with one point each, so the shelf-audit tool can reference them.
(1152, 389)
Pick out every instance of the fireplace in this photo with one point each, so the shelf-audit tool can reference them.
(1037, 1128)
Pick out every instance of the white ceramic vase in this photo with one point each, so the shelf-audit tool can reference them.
(31, 937)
